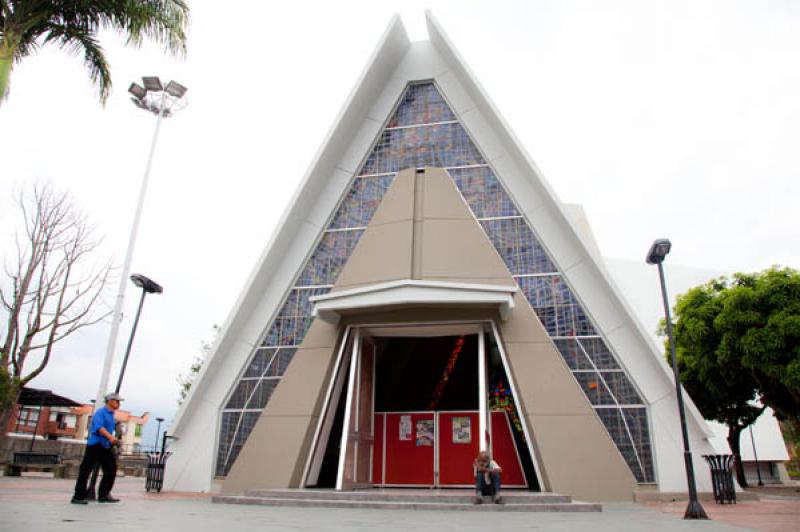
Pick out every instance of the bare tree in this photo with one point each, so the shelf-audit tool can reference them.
(53, 288)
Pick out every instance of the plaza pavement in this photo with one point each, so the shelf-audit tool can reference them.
(32, 504)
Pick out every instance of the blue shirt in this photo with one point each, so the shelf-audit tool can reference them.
(103, 418)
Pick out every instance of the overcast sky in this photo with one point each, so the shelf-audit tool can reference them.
(676, 119)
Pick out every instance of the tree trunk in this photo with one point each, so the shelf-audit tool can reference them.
(733, 442)
(6, 63)
(6, 411)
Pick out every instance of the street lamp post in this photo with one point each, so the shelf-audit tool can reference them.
(163, 102)
(148, 286)
(755, 455)
(658, 251)
(158, 430)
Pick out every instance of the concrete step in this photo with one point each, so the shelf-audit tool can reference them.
(406, 505)
(401, 495)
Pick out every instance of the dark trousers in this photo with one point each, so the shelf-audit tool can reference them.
(96, 454)
(480, 483)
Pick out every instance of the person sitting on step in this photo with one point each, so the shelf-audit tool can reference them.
(487, 475)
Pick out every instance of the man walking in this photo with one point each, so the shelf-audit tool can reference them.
(98, 450)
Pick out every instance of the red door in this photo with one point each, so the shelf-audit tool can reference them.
(458, 447)
(504, 451)
(409, 446)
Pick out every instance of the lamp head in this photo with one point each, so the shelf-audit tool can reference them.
(658, 251)
(175, 89)
(159, 419)
(137, 91)
(148, 285)
(152, 83)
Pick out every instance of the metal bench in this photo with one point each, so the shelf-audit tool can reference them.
(30, 461)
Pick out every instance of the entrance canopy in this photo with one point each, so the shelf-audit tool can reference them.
(409, 292)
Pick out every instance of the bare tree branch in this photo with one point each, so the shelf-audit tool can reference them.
(56, 289)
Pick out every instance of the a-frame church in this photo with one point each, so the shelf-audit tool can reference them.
(427, 296)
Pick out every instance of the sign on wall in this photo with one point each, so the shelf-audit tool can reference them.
(462, 429)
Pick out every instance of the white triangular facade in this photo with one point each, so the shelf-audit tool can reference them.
(273, 312)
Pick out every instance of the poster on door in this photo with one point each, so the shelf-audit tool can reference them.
(425, 433)
(462, 429)
(405, 428)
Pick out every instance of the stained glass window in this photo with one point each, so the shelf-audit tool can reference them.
(421, 104)
(518, 246)
(423, 131)
(329, 258)
(483, 192)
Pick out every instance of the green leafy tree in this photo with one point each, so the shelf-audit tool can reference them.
(73, 25)
(735, 344)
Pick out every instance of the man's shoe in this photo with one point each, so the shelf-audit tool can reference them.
(75, 500)
(478, 500)
(499, 500)
(108, 498)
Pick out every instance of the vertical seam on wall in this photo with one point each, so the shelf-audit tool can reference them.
(416, 227)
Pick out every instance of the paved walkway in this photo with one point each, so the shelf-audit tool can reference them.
(34, 504)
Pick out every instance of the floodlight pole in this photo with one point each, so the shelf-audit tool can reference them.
(126, 268)
(694, 510)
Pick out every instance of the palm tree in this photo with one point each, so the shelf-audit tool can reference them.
(25, 25)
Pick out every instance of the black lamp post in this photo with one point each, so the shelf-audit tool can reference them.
(755, 455)
(658, 251)
(148, 286)
(158, 430)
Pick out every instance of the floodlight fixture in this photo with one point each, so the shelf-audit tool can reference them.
(658, 251)
(152, 83)
(137, 91)
(175, 89)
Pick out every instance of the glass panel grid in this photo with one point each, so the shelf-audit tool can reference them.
(421, 104)
(329, 258)
(361, 201)
(483, 192)
(294, 318)
(440, 145)
(556, 307)
(518, 246)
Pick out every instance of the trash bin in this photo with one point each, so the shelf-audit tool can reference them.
(155, 471)
(722, 477)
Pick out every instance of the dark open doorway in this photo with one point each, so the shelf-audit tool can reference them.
(434, 373)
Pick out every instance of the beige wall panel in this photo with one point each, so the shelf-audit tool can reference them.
(284, 430)
(303, 384)
(458, 248)
(442, 200)
(576, 454)
(545, 383)
(321, 334)
(398, 202)
(274, 455)
(383, 254)
(580, 460)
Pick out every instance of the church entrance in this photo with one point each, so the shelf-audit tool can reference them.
(412, 401)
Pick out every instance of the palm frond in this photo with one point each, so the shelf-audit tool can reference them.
(75, 41)
(163, 21)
